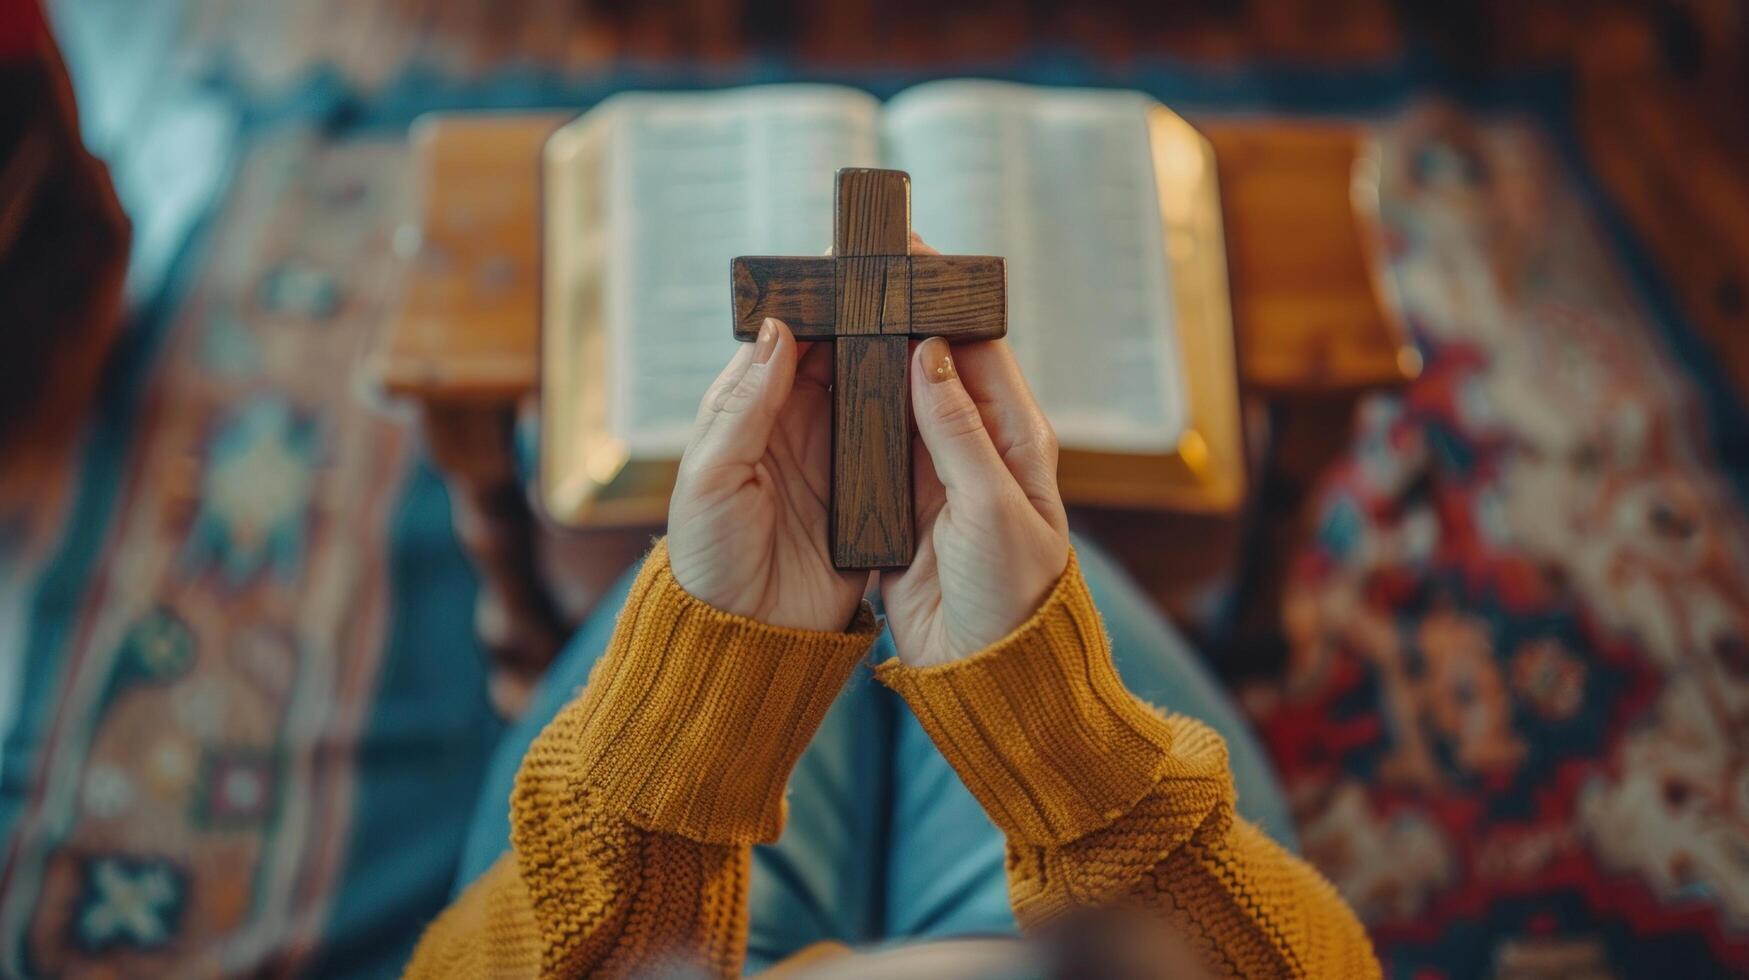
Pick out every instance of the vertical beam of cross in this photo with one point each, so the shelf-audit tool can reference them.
(871, 297)
(872, 525)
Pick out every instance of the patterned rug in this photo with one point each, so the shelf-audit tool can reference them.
(250, 721)
(1515, 725)
(242, 688)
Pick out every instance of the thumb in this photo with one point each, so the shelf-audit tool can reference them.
(737, 414)
(952, 427)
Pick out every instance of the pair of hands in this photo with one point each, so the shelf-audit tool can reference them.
(748, 522)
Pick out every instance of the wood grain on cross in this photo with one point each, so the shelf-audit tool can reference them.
(871, 297)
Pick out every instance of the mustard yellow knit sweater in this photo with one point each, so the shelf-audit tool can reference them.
(635, 809)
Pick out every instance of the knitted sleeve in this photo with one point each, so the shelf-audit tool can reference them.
(635, 809)
(1106, 801)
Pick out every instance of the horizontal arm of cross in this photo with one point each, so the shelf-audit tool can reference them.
(957, 297)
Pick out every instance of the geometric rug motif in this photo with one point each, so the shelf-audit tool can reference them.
(1515, 722)
(189, 812)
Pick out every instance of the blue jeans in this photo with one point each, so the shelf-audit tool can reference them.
(883, 840)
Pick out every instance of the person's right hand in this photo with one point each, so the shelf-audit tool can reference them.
(747, 525)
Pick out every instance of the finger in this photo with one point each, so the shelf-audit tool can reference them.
(928, 499)
(992, 375)
(1023, 437)
(809, 408)
(952, 427)
(928, 496)
(730, 374)
(804, 426)
(815, 365)
(738, 412)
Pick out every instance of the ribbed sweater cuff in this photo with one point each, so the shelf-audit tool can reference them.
(694, 719)
(1039, 726)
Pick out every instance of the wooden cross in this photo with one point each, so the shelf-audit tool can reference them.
(872, 298)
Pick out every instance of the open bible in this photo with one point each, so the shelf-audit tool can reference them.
(1104, 204)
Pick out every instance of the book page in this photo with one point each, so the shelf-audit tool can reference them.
(693, 181)
(1061, 182)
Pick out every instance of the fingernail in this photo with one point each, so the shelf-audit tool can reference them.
(937, 362)
(767, 341)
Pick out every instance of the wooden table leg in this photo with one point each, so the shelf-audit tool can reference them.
(1308, 436)
(473, 447)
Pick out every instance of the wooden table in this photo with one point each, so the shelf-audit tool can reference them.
(464, 346)
(1316, 331)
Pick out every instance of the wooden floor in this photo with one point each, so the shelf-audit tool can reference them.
(1666, 132)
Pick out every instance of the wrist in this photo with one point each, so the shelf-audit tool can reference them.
(688, 694)
(765, 582)
(1039, 725)
(983, 608)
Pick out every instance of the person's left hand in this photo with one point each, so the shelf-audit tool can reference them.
(992, 535)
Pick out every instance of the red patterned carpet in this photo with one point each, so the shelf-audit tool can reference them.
(1515, 725)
